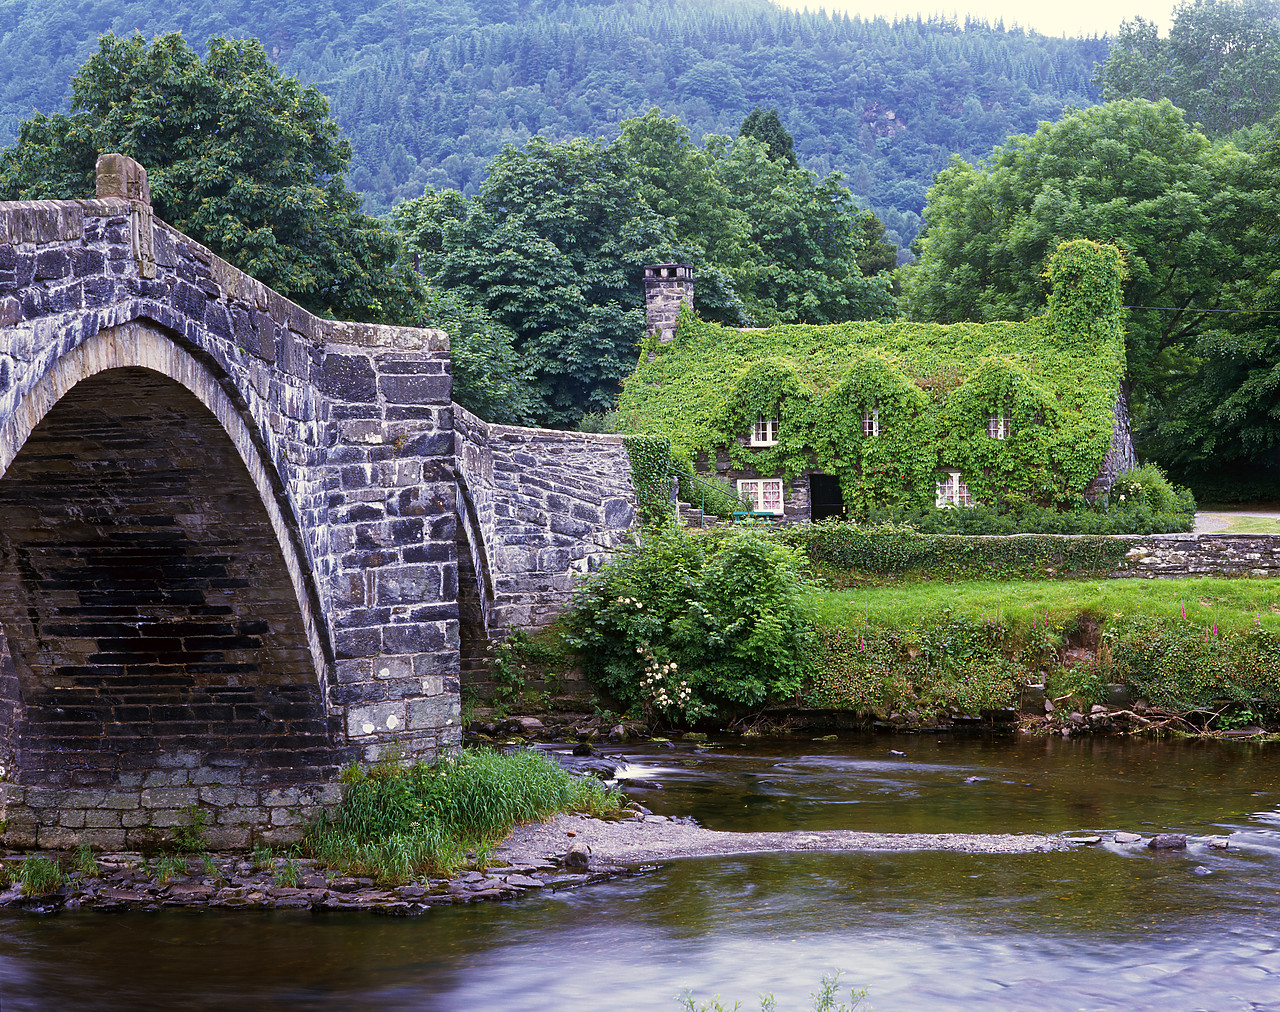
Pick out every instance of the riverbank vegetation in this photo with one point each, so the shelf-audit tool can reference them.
(714, 626)
(1181, 645)
(398, 823)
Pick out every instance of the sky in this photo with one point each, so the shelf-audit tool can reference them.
(1082, 17)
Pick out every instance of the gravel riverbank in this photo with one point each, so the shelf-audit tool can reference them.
(564, 852)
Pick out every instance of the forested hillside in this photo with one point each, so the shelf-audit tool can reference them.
(428, 91)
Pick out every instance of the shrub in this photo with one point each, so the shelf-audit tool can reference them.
(1113, 517)
(847, 549)
(972, 666)
(1187, 666)
(1148, 487)
(685, 623)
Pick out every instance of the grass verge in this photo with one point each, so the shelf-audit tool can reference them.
(400, 822)
(923, 647)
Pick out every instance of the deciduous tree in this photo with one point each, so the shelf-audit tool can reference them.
(239, 156)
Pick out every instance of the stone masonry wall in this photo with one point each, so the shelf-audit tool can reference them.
(547, 506)
(1179, 555)
(345, 431)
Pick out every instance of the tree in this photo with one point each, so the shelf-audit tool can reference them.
(1132, 173)
(1196, 223)
(805, 237)
(553, 249)
(239, 156)
(1220, 63)
(1220, 419)
(767, 128)
(490, 378)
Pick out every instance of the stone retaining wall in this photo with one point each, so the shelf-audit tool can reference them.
(1181, 555)
(149, 813)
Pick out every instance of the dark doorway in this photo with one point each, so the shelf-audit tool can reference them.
(825, 499)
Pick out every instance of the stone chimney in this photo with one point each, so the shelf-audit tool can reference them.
(666, 286)
(120, 176)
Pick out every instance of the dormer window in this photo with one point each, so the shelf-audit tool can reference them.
(998, 426)
(871, 422)
(951, 491)
(765, 431)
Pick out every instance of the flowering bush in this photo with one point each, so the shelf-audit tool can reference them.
(684, 624)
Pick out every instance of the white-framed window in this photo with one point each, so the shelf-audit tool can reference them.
(951, 491)
(871, 422)
(765, 494)
(998, 426)
(765, 431)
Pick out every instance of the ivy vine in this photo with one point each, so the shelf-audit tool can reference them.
(931, 387)
(650, 458)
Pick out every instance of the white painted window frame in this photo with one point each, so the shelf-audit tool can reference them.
(998, 426)
(871, 423)
(754, 491)
(952, 491)
(765, 431)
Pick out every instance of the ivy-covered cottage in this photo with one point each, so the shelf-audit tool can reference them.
(806, 421)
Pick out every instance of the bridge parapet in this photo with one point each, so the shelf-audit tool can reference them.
(547, 506)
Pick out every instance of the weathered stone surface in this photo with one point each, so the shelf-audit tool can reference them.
(536, 507)
(188, 463)
(1178, 555)
(1167, 841)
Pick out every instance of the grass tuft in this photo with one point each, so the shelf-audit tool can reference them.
(398, 823)
(39, 875)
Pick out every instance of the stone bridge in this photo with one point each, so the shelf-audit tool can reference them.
(232, 535)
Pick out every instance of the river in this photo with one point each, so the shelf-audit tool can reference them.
(1103, 927)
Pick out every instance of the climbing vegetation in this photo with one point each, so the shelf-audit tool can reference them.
(887, 406)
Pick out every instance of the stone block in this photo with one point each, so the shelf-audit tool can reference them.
(381, 718)
(349, 378)
(408, 584)
(103, 819)
(122, 799)
(236, 837)
(169, 797)
(434, 712)
(168, 818)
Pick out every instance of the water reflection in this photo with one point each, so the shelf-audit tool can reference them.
(1106, 927)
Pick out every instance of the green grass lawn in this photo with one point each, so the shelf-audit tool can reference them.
(1251, 525)
(1235, 604)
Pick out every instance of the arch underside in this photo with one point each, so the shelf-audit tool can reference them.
(152, 618)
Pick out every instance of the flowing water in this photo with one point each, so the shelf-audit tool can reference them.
(1107, 927)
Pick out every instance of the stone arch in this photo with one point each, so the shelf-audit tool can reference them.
(157, 619)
